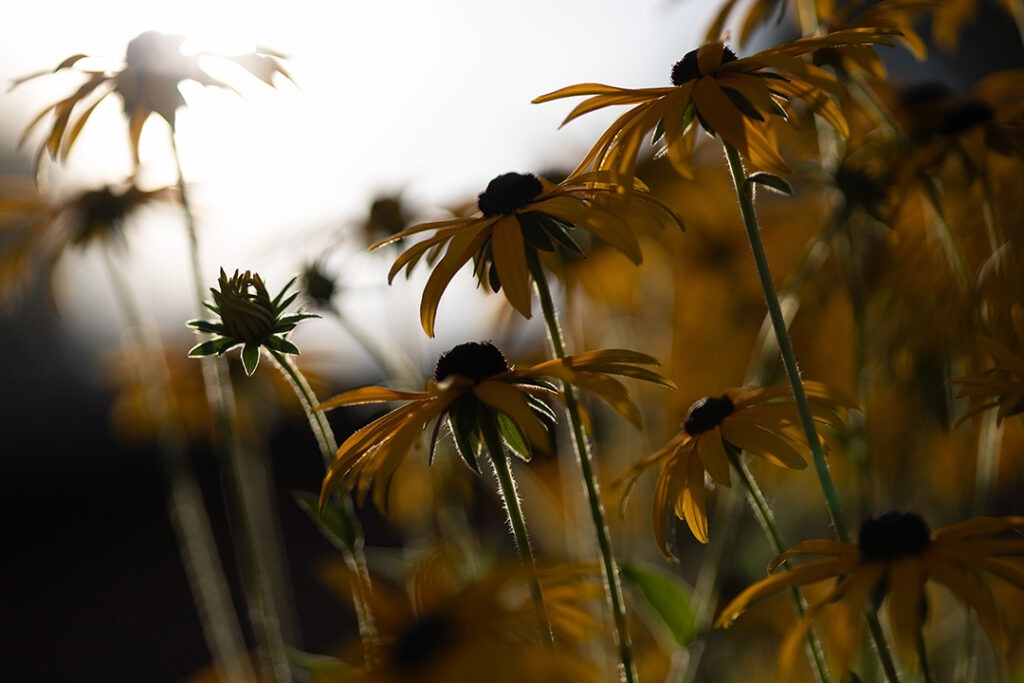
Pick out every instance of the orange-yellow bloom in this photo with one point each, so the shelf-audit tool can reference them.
(1001, 387)
(474, 382)
(762, 422)
(731, 97)
(518, 215)
(897, 554)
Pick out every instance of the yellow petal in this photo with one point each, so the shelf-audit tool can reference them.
(905, 595)
(460, 251)
(509, 252)
(507, 399)
(370, 395)
(693, 500)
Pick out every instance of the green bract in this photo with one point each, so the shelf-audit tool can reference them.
(248, 316)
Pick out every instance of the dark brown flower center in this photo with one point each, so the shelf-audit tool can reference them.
(319, 286)
(100, 212)
(508, 193)
(964, 116)
(474, 360)
(688, 68)
(893, 535)
(707, 413)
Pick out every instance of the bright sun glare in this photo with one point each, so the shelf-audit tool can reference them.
(430, 99)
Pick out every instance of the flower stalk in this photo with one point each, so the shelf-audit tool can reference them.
(609, 567)
(259, 592)
(745, 195)
(353, 554)
(517, 521)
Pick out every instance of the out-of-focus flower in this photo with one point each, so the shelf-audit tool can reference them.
(951, 15)
(446, 626)
(895, 556)
(248, 317)
(763, 422)
(1000, 387)
(471, 383)
(758, 13)
(36, 230)
(943, 125)
(147, 83)
(518, 215)
(735, 98)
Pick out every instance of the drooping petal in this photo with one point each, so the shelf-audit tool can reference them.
(509, 250)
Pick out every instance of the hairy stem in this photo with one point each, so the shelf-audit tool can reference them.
(745, 195)
(186, 508)
(353, 553)
(259, 592)
(609, 567)
(516, 519)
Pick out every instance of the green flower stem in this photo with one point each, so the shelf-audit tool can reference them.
(744, 194)
(185, 505)
(763, 512)
(609, 567)
(354, 555)
(509, 494)
(385, 353)
(258, 590)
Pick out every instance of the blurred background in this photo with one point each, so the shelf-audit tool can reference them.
(417, 104)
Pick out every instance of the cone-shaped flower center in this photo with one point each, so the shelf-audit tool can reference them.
(245, 307)
(707, 413)
(473, 360)
(318, 285)
(152, 51)
(99, 213)
(688, 68)
(507, 193)
(964, 116)
(894, 535)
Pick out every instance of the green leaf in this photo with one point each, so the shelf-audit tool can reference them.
(250, 358)
(669, 595)
(771, 182)
(280, 345)
(320, 667)
(513, 437)
(207, 348)
(334, 522)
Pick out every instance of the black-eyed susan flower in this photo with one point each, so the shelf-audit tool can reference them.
(445, 625)
(519, 214)
(147, 83)
(734, 98)
(36, 230)
(473, 383)
(944, 125)
(247, 317)
(895, 556)
(763, 422)
(1002, 386)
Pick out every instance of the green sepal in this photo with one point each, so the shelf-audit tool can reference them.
(534, 232)
(207, 326)
(209, 348)
(743, 104)
(433, 440)
(545, 412)
(559, 231)
(334, 522)
(771, 182)
(281, 345)
(514, 438)
(659, 132)
(670, 596)
(278, 304)
(250, 358)
(211, 307)
(463, 419)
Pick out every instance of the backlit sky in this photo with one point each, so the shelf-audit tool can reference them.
(431, 98)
